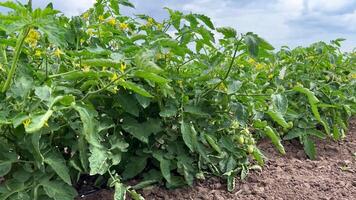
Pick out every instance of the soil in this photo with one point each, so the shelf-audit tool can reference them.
(332, 176)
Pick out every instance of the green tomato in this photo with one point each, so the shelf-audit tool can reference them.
(269, 91)
(241, 139)
(290, 124)
(245, 132)
(250, 149)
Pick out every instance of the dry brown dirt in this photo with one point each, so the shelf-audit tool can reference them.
(331, 177)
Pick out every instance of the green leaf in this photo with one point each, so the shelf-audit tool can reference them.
(87, 116)
(134, 87)
(38, 121)
(141, 131)
(228, 32)
(98, 161)
(126, 3)
(120, 191)
(43, 93)
(233, 87)
(128, 103)
(313, 100)
(278, 117)
(135, 166)
(101, 62)
(259, 157)
(280, 102)
(5, 167)
(169, 111)
(135, 196)
(114, 5)
(151, 77)
(294, 133)
(58, 190)
(316, 133)
(207, 21)
(274, 138)
(189, 135)
(309, 148)
(58, 164)
(251, 42)
(230, 183)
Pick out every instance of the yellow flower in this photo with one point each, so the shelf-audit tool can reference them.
(38, 53)
(124, 26)
(86, 15)
(58, 53)
(150, 21)
(112, 21)
(101, 18)
(122, 67)
(27, 122)
(32, 38)
(86, 69)
(90, 32)
(251, 61)
(114, 77)
(159, 26)
(353, 75)
(260, 66)
(270, 76)
(222, 87)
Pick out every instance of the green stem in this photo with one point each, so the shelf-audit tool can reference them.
(4, 56)
(18, 50)
(62, 74)
(228, 71)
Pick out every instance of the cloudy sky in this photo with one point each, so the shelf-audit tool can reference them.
(282, 22)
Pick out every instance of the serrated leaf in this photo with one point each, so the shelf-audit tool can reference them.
(101, 62)
(151, 77)
(228, 32)
(58, 164)
(135, 196)
(309, 148)
(251, 42)
(134, 87)
(59, 190)
(5, 167)
(278, 117)
(207, 21)
(280, 102)
(135, 166)
(274, 138)
(188, 135)
(120, 191)
(259, 157)
(98, 161)
(294, 133)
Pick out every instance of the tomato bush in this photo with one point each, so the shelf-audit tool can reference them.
(119, 97)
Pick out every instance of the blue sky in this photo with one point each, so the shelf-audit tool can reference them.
(281, 22)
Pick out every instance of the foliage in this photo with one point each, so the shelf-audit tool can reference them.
(117, 97)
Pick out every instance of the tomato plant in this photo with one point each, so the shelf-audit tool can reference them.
(119, 97)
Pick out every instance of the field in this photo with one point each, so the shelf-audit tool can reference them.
(168, 109)
(331, 176)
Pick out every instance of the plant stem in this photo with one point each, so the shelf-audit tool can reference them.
(228, 71)
(4, 56)
(18, 50)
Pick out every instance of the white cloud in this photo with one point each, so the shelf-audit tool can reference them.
(282, 22)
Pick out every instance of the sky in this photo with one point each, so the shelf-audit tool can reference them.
(281, 22)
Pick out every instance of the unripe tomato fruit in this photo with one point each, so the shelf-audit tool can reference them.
(250, 149)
